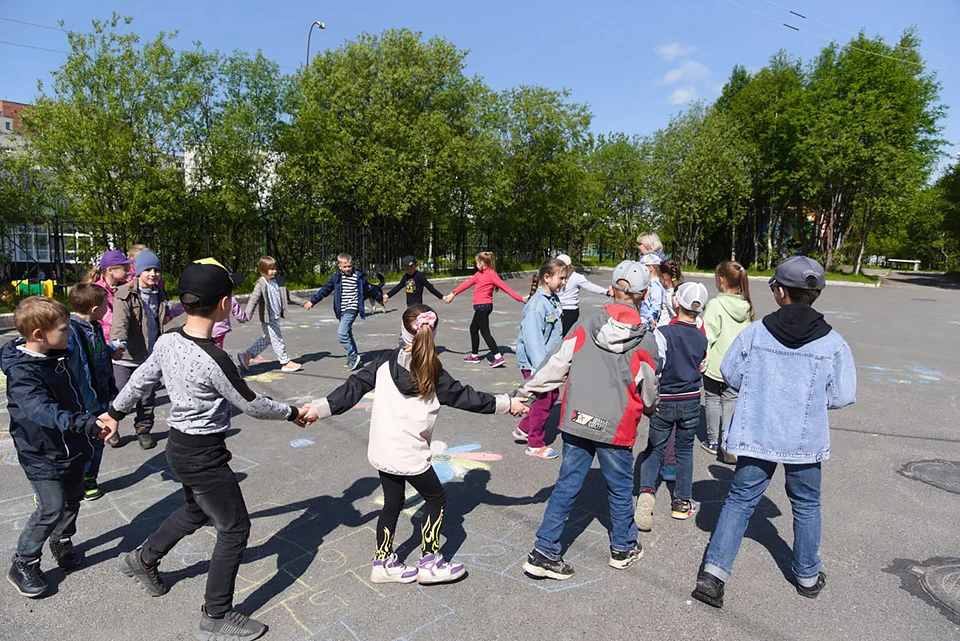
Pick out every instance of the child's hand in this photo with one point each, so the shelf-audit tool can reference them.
(308, 305)
(526, 298)
(517, 408)
(117, 354)
(384, 299)
(308, 416)
(448, 298)
(108, 426)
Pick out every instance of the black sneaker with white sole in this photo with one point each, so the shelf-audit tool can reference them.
(539, 565)
(67, 558)
(814, 590)
(147, 578)
(709, 590)
(233, 626)
(621, 560)
(27, 579)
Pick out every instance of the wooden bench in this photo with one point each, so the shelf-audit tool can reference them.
(915, 263)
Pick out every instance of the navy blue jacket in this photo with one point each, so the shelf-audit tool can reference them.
(335, 285)
(49, 428)
(683, 350)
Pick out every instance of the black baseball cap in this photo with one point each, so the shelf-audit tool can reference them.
(409, 260)
(794, 272)
(208, 280)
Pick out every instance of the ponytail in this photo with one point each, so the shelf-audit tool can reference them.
(734, 276)
(93, 275)
(425, 367)
(535, 284)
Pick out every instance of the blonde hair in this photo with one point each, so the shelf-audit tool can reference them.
(266, 264)
(38, 312)
(135, 249)
(651, 241)
(486, 258)
(345, 257)
(425, 367)
(734, 276)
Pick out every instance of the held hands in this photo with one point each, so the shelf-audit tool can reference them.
(308, 416)
(307, 305)
(108, 426)
(517, 408)
(526, 298)
(385, 299)
(448, 298)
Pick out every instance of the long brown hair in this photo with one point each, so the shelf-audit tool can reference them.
(487, 259)
(425, 367)
(671, 268)
(549, 267)
(734, 276)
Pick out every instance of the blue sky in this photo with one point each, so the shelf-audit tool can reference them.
(635, 63)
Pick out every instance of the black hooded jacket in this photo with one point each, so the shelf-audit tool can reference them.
(796, 325)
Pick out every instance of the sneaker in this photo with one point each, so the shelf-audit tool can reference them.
(390, 570)
(354, 364)
(684, 508)
(244, 361)
(471, 358)
(27, 579)
(497, 362)
(62, 550)
(147, 578)
(729, 459)
(519, 435)
(623, 560)
(644, 512)
(814, 590)
(709, 590)
(233, 626)
(710, 447)
(91, 489)
(542, 452)
(669, 473)
(539, 565)
(434, 569)
(290, 366)
(114, 441)
(146, 440)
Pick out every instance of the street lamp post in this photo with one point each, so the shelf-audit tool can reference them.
(319, 25)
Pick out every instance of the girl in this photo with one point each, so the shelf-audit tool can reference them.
(111, 274)
(484, 283)
(650, 308)
(728, 314)
(271, 297)
(570, 294)
(540, 332)
(221, 328)
(411, 385)
(670, 278)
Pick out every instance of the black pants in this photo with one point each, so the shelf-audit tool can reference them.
(58, 504)
(394, 494)
(210, 490)
(143, 421)
(481, 325)
(568, 319)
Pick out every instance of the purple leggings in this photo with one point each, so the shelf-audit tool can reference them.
(536, 418)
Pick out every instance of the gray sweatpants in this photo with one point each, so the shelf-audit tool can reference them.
(720, 401)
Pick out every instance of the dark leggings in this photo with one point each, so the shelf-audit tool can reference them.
(394, 494)
(481, 325)
(569, 318)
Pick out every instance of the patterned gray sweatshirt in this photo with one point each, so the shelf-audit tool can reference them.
(202, 383)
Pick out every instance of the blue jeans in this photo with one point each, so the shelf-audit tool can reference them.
(686, 416)
(749, 483)
(345, 334)
(616, 464)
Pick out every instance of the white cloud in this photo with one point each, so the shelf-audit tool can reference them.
(682, 95)
(687, 72)
(674, 50)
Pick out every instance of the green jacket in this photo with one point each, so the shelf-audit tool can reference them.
(727, 315)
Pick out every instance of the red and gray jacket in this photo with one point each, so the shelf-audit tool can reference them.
(608, 370)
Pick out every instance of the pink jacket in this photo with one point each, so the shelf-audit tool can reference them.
(484, 282)
(222, 327)
(107, 321)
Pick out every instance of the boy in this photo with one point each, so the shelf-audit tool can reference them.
(792, 349)
(683, 353)
(139, 310)
(203, 384)
(608, 370)
(90, 361)
(350, 288)
(52, 434)
(413, 283)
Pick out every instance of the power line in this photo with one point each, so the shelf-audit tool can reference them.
(17, 44)
(33, 24)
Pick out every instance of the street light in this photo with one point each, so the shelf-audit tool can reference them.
(319, 25)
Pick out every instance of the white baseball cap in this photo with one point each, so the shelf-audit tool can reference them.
(563, 258)
(692, 296)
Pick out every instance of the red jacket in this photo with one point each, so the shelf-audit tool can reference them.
(484, 282)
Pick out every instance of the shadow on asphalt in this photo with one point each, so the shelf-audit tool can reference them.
(937, 281)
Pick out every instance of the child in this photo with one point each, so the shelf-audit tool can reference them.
(650, 309)
(670, 278)
(683, 352)
(540, 333)
(270, 298)
(607, 367)
(411, 385)
(485, 282)
(52, 434)
(790, 369)
(350, 288)
(222, 328)
(729, 313)
(111, 274)
(90, 361)
(204, 386)
(570, 294)
(413, 283)
(139, 312)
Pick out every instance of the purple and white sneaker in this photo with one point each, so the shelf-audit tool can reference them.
(497, 362)
(471, 358)
(390, 570)
(434, 569)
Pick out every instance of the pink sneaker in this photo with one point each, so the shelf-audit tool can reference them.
(498, 362)
(541, 452)
(519, 435)
(434, 569)
(472, 358)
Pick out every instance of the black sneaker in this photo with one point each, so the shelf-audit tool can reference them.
(709, 590)
(147, 578)
(62, 550)
(232, 627)
(623, 560)
(91, 489)
(540, 566)
(114, 441)
(146, 440)
(28, 579)
(814, 590)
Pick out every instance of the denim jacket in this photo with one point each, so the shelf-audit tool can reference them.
(785, 393)
(540, 330)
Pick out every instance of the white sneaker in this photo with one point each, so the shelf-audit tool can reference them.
(390, 570)
(290, 366)
(434, 569)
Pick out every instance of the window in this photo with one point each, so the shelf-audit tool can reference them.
(7, 125)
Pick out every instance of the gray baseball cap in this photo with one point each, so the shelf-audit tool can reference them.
(634, 273)
(794, 272)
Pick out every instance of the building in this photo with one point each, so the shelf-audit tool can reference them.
(11, 128)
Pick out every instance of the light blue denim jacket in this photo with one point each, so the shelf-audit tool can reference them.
(540, 330)
(785, 393)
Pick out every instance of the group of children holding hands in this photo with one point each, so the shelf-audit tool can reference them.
(630, 359)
